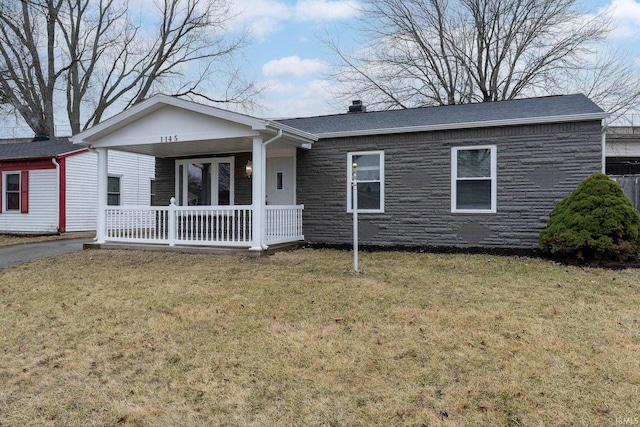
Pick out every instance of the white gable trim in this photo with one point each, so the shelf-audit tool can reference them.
(93, 135)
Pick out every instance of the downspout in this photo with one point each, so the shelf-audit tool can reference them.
(605, 125)
(57, 165)
(264, 183)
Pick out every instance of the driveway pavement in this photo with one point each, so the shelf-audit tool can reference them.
(16, 254)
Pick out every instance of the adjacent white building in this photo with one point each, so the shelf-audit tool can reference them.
(51, 186)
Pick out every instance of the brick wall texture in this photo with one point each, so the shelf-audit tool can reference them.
(537, 166)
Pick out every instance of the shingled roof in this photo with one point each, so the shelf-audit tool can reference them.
(513, 112)
(36, 150)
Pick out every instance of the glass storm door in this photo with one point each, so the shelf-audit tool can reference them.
(205, 182)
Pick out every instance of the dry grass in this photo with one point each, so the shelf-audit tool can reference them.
(11, 239)
(155, 339)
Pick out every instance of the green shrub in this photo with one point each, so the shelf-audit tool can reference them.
(596, 221)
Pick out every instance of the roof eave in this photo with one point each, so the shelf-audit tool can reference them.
(156, 102)
(45, 157)
(304, 139)
(468, 125)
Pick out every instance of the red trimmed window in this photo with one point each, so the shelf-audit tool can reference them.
(16, 192)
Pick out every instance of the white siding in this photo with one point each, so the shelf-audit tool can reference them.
(43, 206)
(136, 172)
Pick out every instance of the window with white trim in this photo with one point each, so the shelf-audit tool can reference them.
(370, 177)
(12, 191)
(473, 179)
(205, 182)
(113, 191)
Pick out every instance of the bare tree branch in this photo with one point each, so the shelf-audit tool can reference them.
(436, 52)
(103, 59)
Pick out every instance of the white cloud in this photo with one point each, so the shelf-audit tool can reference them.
(285, 99)
(625, 17)
(292, 66)
(324, 10)
(263, 17)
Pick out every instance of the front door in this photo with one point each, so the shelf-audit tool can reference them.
(280, 181)
(205, 182)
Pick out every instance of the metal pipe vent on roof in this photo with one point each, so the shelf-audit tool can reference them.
(357, 107)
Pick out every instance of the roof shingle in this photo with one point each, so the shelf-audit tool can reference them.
(542, 107)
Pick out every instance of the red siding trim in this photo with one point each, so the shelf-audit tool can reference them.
(62, 199)
(24, 192)
(27, 165)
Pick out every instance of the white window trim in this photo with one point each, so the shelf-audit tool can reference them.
(5, 205)
(212, 160)
(119, 176)
(493, 177)
(349, 176)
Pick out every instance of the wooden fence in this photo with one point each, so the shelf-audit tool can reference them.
(631, 186)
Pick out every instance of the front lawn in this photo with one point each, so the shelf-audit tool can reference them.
(162, 339)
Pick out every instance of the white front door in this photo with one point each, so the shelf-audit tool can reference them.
(280, 181)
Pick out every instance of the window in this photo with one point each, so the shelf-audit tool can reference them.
(113, 191)
(473, 179)
(279, 181)
(205, 182)
(12, 191)
(370, 176)
(152, 192)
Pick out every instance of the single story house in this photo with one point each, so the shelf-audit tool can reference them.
(51, 186)
(471, 176)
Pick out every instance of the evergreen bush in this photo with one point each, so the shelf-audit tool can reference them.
(596, 221)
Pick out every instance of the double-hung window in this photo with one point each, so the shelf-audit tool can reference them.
(12, 191)
(370, 179)
(473, 179)
(113, 191)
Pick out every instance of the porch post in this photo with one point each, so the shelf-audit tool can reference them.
(257, 194)
(103, 176)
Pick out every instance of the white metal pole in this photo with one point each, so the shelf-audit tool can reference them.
(354, 200)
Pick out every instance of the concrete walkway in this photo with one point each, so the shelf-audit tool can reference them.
(16, 254)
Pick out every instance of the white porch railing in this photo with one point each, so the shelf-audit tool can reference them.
(200, 225)
(283, 224)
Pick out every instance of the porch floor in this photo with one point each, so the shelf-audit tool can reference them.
(195, 249)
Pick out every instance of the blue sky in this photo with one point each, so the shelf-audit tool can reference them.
(288, 57)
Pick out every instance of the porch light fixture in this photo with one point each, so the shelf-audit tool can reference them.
(249, 169)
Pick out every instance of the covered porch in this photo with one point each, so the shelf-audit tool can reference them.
(223, 179)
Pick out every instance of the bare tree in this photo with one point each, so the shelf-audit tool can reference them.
(438, 52)
(101, 58)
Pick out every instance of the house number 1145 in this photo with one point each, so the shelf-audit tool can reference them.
(169, 138)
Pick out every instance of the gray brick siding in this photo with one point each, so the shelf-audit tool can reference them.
(537, 166)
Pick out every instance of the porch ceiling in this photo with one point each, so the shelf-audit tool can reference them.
(199, 148)
(191, 148)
